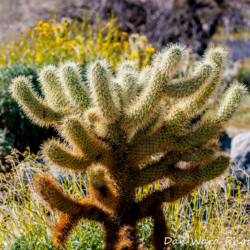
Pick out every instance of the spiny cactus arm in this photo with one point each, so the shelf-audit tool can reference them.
(51, 87)
(199, 174)
(189, 86)
(128, 78)
(217, 54)
(59, 154)
(34, 106)
(99, 76)
(53, 194)
(153, 125)
(156, 170)
(144, 78)
(203, 153)
(169, 194)
(198, 155)
(200, 135)
(214, 59)
(175, 121)
(82, 138)
(210, 128)
(63, 227)
(140, 112)
(101, 187)
(75, 91)
(118, 97)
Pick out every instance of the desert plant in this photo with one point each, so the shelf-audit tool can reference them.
(114, 124)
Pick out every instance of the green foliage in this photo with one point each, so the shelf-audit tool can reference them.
(5, 143)
(12, 118)
(19, 130)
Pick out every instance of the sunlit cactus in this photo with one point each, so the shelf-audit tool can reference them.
(114, 123)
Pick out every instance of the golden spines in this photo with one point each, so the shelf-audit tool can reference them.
(92, 116)
(198, 175)
(183, 111)
(128, 80)
(233, 98)
(198, 155)
(71, 81)
(209, 128)
(79, 135)
(53, 194)
(144, 77)
(127, 238)
(82, 138)
(176, 192)
(51, 87)
(33, 105)
(101, 187)
(99, 76)
(169, 194)
(140, 112)
(186, 87)
(60, 155)
(202, 154)
(217, 55)
(156, 170)
(64, 227)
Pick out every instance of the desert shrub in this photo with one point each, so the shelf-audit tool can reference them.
(22, 132)
(51, 42)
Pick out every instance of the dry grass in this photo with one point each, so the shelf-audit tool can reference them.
(213, 217)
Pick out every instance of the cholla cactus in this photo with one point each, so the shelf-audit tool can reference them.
(112, 124)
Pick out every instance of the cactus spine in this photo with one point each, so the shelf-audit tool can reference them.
(114, 123)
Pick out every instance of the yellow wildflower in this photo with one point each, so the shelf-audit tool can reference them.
(52, 20)
(126, 44)
(59, 39)
(144, 40)
(21, 39)
(71, 42)
(105, 44)
(133, 56)
(42, 33)
(46, 26)
(39, 56)
(56, 28)
(124, 33)
(40, 23)
(30, 32)
(149, 50)
(37, 28)
(65, 24)
(117, 44)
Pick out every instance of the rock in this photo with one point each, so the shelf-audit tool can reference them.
(240, 156)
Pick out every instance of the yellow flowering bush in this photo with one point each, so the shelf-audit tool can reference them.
(52, 42)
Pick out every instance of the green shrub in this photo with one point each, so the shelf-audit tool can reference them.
(18, 129)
